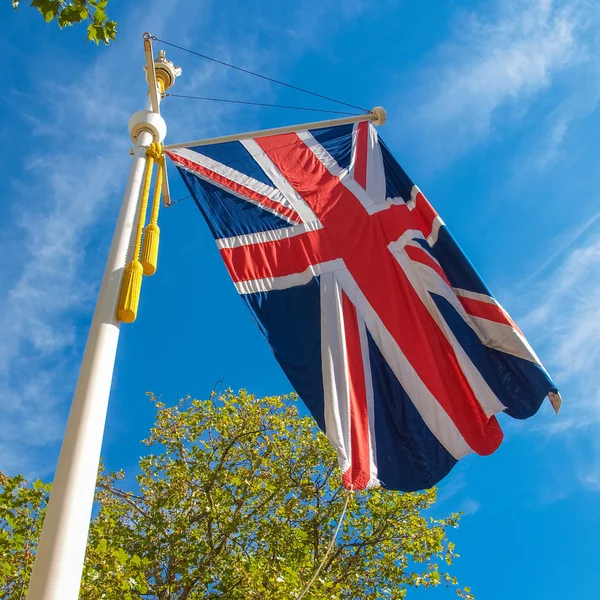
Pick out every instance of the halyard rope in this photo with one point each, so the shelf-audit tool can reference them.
(271, 79)
(330, 547)
(245, 102)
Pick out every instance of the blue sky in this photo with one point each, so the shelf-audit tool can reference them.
(492, 109)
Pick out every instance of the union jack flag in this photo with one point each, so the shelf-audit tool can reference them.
(378, 319)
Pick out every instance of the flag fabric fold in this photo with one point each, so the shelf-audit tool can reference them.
(380, 322)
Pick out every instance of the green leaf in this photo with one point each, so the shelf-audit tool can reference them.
(237, 496)
(120, 555)
(73, 12)
(92, 34)
(99, 16)
(136, 560)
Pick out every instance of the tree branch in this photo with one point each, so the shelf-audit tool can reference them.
(226, 592)
(125, 496)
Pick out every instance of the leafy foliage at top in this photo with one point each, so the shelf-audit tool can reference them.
(238, 499)
(71, 12)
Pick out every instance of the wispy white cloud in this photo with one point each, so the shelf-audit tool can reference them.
(560, 247)
(452, 491)
(565, 322)
(69, 194)
(546, 145)
(591, 479)
(450, 487)
(555, 134)
(55, 267)
(492, 69)
(587, 462)
(567, 319)
(469, 507)
(61, 207)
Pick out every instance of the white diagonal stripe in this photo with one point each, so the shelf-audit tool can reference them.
(364, 348)
(431, 411)
(424, 280)
(335, 371)
(273, 235)
(253, 286)
(334, 169)
(283, 185)
(237, 177)
(375, 172)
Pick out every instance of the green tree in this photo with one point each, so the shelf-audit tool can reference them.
(22, 508)
(239, 499)
(72, 12)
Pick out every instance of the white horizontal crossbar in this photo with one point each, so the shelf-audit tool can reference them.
(377, 115)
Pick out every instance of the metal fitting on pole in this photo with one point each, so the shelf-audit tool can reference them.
(380, 115)
(166, 71)
(147, 120)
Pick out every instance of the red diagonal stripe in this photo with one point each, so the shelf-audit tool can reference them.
(238, 188)
(476, 308)
(278, 258)
(426, 214)
(359, 240)
(358, 475)
(419, 255)
(486, 310)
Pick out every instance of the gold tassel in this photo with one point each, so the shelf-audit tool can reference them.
(131, 283)
(150, 248)
(152, 231)
(131, 286)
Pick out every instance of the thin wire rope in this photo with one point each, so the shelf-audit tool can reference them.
(288, 85)
(179, 200)
(323, 110)
(329, 548)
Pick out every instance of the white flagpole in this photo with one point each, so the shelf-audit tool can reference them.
(61, 550)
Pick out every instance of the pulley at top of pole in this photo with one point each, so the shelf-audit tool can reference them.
(160, 75)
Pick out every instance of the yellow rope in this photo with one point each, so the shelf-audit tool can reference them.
(157, 191)
(331, 544)
(131, 285)
(152, 232)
